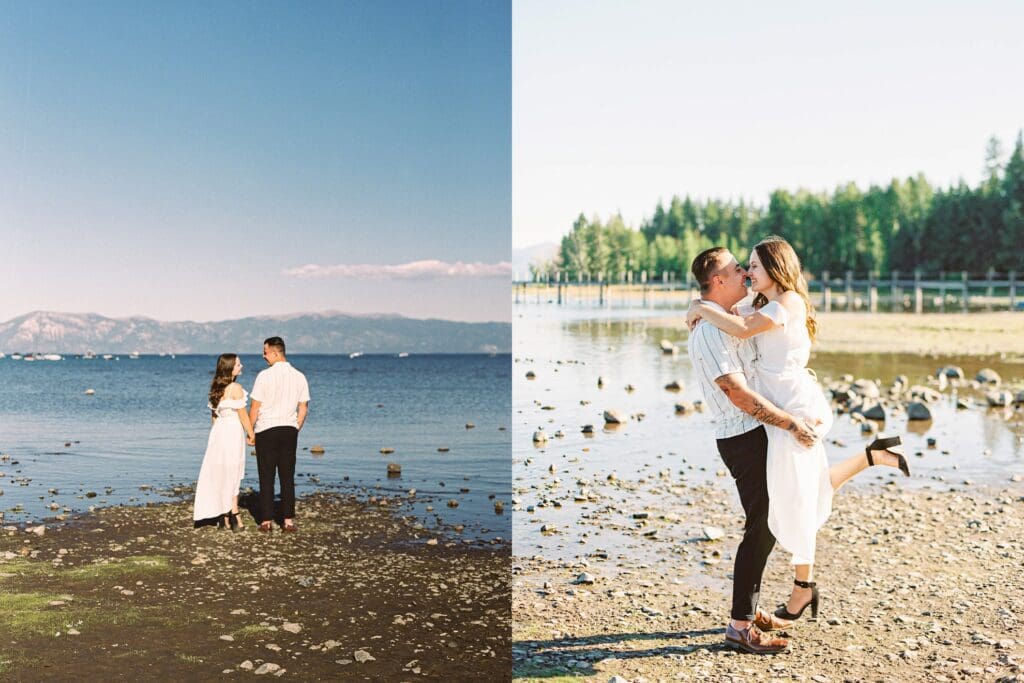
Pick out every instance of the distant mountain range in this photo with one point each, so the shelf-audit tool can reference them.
(70, 333)
(538, 253)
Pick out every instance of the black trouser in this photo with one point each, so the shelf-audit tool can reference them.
(275, 452)
(746, 457)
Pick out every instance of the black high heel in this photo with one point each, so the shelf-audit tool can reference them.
(783, 613)
(886, 444)
(233, 521)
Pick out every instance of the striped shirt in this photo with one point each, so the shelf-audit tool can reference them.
(714, 353)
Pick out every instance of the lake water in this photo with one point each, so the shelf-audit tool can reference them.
(568, 347)
(147, 424)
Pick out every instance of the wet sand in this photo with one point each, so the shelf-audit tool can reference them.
(978, 334)
(360, 593)
(916, 586)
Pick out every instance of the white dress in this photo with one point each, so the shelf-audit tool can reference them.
(224, 463)
(799, 487)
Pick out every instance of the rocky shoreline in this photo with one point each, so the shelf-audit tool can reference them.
(360, 593)
(917, 585)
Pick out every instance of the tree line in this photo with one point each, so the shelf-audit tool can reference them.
(906, 225)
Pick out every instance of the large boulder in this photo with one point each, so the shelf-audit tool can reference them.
(918, 411)
(988, 376)
(873, 411)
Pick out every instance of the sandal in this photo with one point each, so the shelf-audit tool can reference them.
(886, 445)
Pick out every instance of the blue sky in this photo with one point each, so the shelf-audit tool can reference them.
(216, 160)
(618, 104)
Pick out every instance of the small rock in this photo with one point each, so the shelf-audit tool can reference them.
(363, 656)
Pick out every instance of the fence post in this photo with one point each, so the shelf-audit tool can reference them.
(849, 290)
(558, 279)
(942, 291)
(988, 289)
(1013, 290)
(966, 294)
(872, 292)
(894, 292)
(918, 293)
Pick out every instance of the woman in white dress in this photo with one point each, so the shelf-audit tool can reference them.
(800, 481)
(223, 468)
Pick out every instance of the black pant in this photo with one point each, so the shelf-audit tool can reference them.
(275, 452)
(746, 457)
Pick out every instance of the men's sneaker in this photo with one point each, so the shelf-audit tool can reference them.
(754, 641)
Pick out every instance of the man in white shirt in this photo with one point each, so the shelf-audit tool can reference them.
(720, 360)
(280, 403)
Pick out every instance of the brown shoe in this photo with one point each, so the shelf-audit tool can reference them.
(752, 640)
(766, 621)
(265, 527)
(289, 528)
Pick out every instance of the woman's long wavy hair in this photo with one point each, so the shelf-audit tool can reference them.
(222, 377)
(782, 265)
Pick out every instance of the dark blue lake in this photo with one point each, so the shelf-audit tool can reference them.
(147, 424)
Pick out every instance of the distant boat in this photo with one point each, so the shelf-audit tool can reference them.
(16, 356)
(134, 355)
(52, 356)
(89, 355)
(355, 354)
(29, 357)
(107, 356)
(403, 354)
(2, 355)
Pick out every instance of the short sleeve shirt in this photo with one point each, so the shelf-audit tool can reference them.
(714, 353)
(279, 389)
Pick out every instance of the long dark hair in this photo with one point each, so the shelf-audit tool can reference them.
(222, 377)
(782, 265)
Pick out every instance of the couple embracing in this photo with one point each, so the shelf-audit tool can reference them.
(770, 416)
(280, 401)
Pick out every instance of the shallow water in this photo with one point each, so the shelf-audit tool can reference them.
(147, 424)
(569, 347)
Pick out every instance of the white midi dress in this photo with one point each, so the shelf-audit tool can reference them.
(799, 487)
(223, 468)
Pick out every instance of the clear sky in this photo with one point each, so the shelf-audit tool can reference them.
(617, 104)
(213, 160)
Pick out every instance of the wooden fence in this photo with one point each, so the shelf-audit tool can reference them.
(915, 292)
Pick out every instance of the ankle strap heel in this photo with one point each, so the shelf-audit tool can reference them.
(805, 584)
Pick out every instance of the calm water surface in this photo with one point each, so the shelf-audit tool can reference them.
(147, 424)
(569, 347)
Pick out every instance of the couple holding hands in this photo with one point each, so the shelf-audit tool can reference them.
(280, 404)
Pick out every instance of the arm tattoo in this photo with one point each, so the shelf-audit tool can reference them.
(754, 405)
(760, 412)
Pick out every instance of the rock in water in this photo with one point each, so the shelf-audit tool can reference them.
(540, 437)
(951, 371)
(394, 468)
(988, 376)
(918, 411)
(588, 429)
(667, 346)
(684, 408)
(600, 382)
(999, 399)
(612, 416)
(713, 533)
(386, 450)
(316, 449)
(865, 388)
(531, 375)
(674, 385)
(873, 411)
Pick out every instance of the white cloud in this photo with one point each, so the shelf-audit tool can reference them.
(414, 270)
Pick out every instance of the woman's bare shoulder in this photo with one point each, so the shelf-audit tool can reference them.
(793, 303)
(234, 391)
